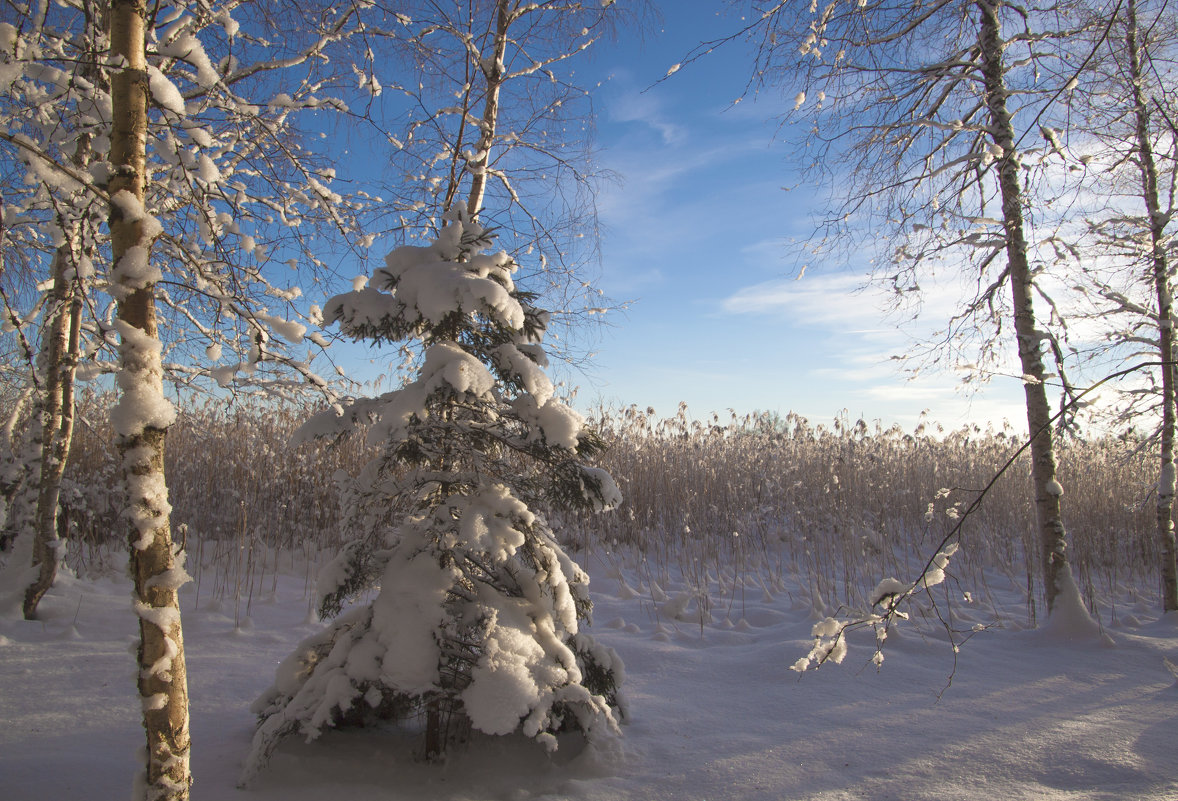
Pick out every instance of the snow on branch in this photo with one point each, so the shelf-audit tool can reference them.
(830, 634)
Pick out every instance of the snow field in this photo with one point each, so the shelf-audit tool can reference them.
(715, 713)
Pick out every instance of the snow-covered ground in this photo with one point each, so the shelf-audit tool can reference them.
(715, 712)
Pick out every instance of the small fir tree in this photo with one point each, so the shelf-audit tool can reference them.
(476, 622)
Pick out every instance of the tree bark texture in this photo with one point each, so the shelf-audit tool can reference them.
(141, 429)
(1159, 269)
(60, 351)
(60, 348)
(1052, 535)
(493, 73)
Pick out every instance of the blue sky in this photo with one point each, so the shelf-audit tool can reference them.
(701, 242)
(702, 238)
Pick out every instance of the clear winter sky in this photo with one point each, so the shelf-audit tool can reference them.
(700, 235)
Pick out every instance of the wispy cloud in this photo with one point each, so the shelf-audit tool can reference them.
(631, 105)
(837, 299)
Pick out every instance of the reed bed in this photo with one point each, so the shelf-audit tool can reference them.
(838, 507)
(244, 503)
(762, 502)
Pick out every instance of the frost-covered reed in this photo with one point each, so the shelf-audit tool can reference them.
(721, 505)
(244, 502)
(840, 506)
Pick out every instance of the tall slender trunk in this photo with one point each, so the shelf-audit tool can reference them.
(141, 420)
(60, 351)
(1052, 536)
(494, 74)
(1160, 271)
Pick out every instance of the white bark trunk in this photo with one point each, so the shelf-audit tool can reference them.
(142, 418)
(63, 317)
(60, 348)
(493, 74)
(1052, 535)
(1160, 271)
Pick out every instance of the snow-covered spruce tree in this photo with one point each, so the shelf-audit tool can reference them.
(476, 621)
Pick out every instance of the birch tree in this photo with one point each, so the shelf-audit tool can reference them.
(72, 266)
(233, 188)
(67, 233)
(936, 107)
(147, 89)
(1158, 219)
(62, 344)
(1123, 152)
(141, 420)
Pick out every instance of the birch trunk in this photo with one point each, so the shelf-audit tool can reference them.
(61, 343)
(64, 320)
(141, 420)
(1052, 536)
(493, 73)
(1160, 272)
